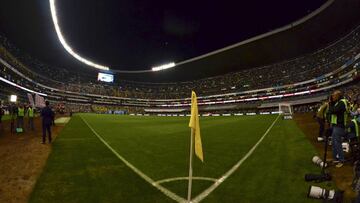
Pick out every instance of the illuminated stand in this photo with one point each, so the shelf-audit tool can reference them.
(286, 110)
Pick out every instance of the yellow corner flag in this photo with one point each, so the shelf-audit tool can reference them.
(195, 126)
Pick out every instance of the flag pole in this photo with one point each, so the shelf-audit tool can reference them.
(190, 164)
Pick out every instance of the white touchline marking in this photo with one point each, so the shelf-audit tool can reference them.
(206, 192)
(183, 178)
(137, 171)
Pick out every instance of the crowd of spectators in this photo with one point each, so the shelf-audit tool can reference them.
(70, 108)
(99, 89)
(288, 72)
(352, 92)
(291, 71)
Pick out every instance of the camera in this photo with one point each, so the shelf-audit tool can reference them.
(317, 160)
(321, 193)
(318, 177)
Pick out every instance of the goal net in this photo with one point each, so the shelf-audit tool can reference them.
(286, 110)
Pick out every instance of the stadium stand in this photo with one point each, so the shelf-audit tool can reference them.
(313, 74)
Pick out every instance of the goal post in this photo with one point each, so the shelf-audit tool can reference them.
(286, 110)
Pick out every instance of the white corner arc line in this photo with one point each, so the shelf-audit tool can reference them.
(167, 192)
(206, 192)
(184, 178)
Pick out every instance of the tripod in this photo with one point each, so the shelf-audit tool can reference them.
(323, 176)
(326, 143)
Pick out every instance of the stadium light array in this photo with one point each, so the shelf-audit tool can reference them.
(21, 87)
(163, 67)
(13, 98)
(64, 43)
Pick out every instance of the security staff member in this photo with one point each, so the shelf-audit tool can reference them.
(20, 117)
(31, 117)
(353, 128)
(338, 110)
(353, 137)
(47, 118)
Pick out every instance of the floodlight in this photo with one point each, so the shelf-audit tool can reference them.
(64, 43)
(13, 98)
(163, 67)
(21, 87)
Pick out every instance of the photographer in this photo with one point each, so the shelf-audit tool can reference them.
(353, 128)
(355, 109)
(338, 111)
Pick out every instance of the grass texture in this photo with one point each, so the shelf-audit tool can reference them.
(82, 169)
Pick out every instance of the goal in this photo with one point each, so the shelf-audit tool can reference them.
(286, 110)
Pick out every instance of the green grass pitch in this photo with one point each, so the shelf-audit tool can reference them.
(82, 169)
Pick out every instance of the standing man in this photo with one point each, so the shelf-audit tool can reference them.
(47, 118)
(31, 117)
(20, 116)
(338, 111)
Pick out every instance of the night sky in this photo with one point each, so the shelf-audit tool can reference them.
(138, 34)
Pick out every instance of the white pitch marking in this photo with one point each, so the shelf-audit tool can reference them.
(206, 192)
(137, 171)
(183, 178)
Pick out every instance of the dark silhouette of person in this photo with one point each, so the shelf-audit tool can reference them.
(47, 119)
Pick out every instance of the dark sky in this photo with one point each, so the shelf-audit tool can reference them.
(138, 34)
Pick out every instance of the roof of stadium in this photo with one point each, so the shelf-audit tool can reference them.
(204, 38)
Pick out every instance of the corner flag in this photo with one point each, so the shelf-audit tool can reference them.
(195, 126)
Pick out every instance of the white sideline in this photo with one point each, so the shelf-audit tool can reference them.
(183, 178)
(137, 171)
(206, 192)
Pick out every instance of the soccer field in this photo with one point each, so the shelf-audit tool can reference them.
(109, 158)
